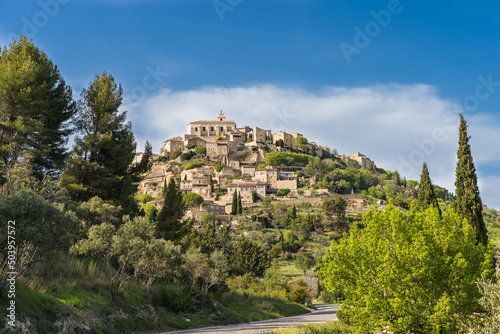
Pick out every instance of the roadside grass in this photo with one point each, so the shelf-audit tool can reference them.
(334, 327)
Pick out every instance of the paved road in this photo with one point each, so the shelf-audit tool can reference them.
(325, 312)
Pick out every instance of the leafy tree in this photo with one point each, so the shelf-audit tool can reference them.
(335, 208)
(201, 150)
(169, 219)
(426, 196)
(218, 167)
(468, 204)
(104, 148)
(412, 272)
(283, 192)
(266, 202)
(35, 107)
(95, 212)
(234, 204)
(207, 270)
(249, 258)
(239, 207)
(192, 199)
(37, 226)
(134, 248)
(301, 142)
(149, 211)
(176, 154)
(304, 261)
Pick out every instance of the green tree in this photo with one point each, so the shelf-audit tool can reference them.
(134, 248)
(35, 107)
(239, 207)
(254, 196)
(169, 219)
(149, 211)
(426, 196)
(234, 204)
(412, 272)
(301, 142)
(334, 211)
(249, 258)
(468, 204)
(294, 212)
(304, 261)
(201, 150)
(104, 148)
(33, 228)
(192, 199)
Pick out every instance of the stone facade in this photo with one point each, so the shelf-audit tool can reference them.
(259, 135)
(269, 176)
(220, 127)
(362, 159)
(245, 189)
(171, 146)
(288, 139)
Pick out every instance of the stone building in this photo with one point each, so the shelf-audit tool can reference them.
(268, 175)
(245, 188)
(259, 135)
(221, 148)
(171, 146)
(288, 139)
(362, 159)
(220, 127)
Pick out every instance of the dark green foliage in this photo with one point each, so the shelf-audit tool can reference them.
(304, 261)
(426, 196)
(468, 204)
(334, 211)
(104, 147)
(35, 105)
(169, 224)
(218, 167)
(234, 204)
(179, 298)
(254, 196)
(294, 212)
(239, 207)
(283, 192)
(249, 258)
(201, 150)
(286, 158)
(187, 155)
(192, 199)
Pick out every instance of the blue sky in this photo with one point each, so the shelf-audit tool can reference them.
(385, 78)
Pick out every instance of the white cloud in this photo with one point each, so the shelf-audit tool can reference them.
(399, 126)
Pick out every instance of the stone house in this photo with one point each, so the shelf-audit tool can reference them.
(287, 138)
(171, 146)
(245, 189)
(362, 159)
(220, 148)
(259, 135)
(268, 175)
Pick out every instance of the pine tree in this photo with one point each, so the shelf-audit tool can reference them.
(35, 106)
(239, 207)
(234, 204)
(145, 164)
(468, 203)
(169, 224)
(426, 195)
(104, 147)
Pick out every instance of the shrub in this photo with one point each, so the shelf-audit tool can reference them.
(176, 154)
(179, 298)
(283, 192)
(218, 167)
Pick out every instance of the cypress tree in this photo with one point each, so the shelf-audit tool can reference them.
(211, 183)
(239, 208)
(169, 224)
(294, 212)
(426, 195)
(234, 204)
(468, 203)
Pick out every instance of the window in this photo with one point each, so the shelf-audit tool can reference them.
(221, 128)
(196, 129)
(212, 128)
(204, 129)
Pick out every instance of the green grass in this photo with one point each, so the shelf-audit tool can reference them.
(333, 327)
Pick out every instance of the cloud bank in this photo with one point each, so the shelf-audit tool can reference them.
(398, 126)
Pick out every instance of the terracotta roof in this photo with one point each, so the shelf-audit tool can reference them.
(246, 184)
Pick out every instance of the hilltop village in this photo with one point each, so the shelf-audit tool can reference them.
(234, 161)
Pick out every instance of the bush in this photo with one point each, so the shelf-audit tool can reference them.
(299, 295)
(218, 167)
(283, 192)
(187, 155)
(179, 298)
(176, 154)
(286, 158)
(189, 165)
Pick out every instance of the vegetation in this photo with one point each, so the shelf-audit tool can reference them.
(403, 265)
(286, 158)
(468, 203)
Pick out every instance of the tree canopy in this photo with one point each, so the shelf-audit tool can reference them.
(412, 272)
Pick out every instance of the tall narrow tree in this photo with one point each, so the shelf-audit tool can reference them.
(468, 203)
(35, 107)
(104, 147)
(234, 204)
(426, 196)
(239, 207)
(169, 219)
